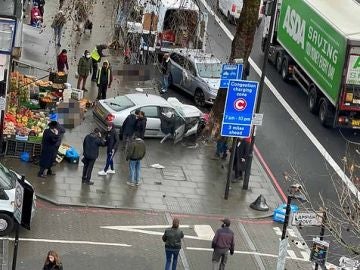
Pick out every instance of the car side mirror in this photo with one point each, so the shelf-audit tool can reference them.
(3, 194)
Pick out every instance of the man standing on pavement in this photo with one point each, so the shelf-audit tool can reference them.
(241, 155)
(223, 242)
(96, 56)
(58, 24)
(104, 80)
(128, 128)
(91, 145)
(140, 126)
(84, 69)
(165, 70)
(112, 141)
(172, 238)
(136, 152)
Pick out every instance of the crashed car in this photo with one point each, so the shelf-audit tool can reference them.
(115, 110)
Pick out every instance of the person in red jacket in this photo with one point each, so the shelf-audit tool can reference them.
(62, 61)
(36, 17)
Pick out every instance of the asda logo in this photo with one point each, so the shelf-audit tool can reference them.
(295, 26)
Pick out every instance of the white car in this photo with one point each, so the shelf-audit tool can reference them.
(116, 110)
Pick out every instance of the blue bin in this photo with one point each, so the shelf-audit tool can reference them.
(279, 213)
(72, 156)
(25, 156)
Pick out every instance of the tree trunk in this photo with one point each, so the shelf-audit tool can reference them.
(240, 48)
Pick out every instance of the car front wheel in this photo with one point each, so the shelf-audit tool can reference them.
(199, 98)
(6, 224)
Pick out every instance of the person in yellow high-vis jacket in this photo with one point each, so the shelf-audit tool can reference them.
(96, 55)
(104, 80)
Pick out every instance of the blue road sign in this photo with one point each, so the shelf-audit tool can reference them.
(239, 108)
(230, 72)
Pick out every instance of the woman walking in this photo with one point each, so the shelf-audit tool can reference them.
(52, 261)
(172, 238)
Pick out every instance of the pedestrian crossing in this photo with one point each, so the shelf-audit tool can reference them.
(297, 247)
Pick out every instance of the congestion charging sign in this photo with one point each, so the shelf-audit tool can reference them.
(239, 108)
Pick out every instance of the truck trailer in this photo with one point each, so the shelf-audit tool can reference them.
(316, 43)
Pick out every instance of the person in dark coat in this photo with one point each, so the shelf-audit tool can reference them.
(52, 261)
(62, 61)
(172, 238)
(167, 124)
(91, 145)
(241, 155)
(96, 56)
(49, 148)
(128, 128)
(141, 125)
(112, 142)
(104, 80)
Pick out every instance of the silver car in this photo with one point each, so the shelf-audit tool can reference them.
(116, 110)
(196, 73)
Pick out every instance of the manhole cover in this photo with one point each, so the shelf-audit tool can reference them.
(175, 173)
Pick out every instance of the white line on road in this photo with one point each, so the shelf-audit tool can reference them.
(291, 254)
(305, 254)
(292, 113)
(70, 242)
(277, 231)
(248, 253)
(291, 232)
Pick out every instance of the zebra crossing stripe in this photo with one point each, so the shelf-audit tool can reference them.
(291, 254)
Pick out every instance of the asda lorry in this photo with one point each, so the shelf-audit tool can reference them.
(316, 43)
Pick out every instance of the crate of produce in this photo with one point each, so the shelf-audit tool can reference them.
(77, 94)
(34, 139)
(58, 77)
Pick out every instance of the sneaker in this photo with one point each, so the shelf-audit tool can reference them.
(138, 184)
(102, 173)
(111, 171)
(130, 184)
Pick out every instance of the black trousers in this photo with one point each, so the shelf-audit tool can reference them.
(102, 91)
(94, 72)
(87, 170)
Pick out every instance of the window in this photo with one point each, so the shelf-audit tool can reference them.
(7, 178)
(209, 70)
(119, 103)
(190, 67)
(150, 111)
(178, 59)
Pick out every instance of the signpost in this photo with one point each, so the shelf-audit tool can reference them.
(239, 109)
(307, 219)
(280, 265)
(230, 72)
(319, 251)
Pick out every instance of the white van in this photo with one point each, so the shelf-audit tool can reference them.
(231, 9)
(7, 199)
(175, 24)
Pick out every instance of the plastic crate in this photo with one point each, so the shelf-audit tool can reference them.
(77, 94)
(14, 148)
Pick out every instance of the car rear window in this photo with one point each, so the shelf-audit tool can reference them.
(120, 103)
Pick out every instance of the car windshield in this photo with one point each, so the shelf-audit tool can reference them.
(7, 178)
(119, 103)
(209, 70)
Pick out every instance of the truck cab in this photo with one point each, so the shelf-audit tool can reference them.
(8, 180)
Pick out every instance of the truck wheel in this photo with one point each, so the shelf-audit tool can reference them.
(313, 100)
(285, 69)
(199, 98)
(278, 62)
(6, 224)
(325, 113)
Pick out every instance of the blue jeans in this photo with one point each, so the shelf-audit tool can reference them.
(134, 168)
(165, 82)
(171, 253)
(57, 32)
(221, 148)
(109, 162)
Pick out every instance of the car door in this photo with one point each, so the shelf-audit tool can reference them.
(180, 127)
(153, 121)
(189, 77)
(176, 68)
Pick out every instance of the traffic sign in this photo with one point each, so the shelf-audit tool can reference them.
(257, 119)
(230, 72)
(319, 251)
(239, 109)
(307, 219)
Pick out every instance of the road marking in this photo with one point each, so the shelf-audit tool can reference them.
(306, 255)
(204, 232)
(70, 242)
(292, 113)
(291, 254)
(277, 230)
(292, 233)
(249, 253)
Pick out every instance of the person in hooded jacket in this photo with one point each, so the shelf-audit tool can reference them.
(84, 69)
(52, 261)
(128, 128)
(104, 80)
(62, 61)
(172, 238)
(91, 145)
(112, 142)
(141, 125)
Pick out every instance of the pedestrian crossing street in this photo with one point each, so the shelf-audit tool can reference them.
(297, 247)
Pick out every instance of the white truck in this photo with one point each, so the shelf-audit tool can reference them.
(163, 25)
(317, 44)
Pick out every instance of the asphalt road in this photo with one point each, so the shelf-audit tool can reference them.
(84, 240)
(284, 145)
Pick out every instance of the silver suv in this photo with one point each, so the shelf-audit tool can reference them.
(196, 73)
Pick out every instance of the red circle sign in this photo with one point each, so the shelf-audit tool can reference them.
(240, 104)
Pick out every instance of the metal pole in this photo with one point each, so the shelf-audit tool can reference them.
(322, 233)
(231, 164)
(287, 215)
(259, 97)
(16, 245)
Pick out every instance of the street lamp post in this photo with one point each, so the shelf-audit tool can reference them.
(258, 102)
